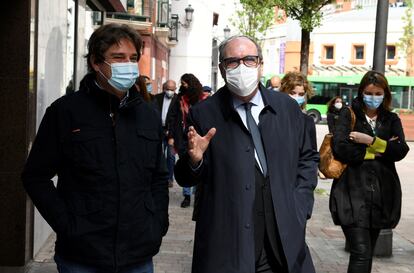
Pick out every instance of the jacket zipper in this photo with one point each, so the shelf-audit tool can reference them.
(119, 198)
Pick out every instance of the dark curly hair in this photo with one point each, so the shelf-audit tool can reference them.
(194, 90)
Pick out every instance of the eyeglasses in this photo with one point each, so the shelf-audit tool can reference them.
(249, 61)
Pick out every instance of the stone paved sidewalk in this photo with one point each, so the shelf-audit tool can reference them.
(326, 241)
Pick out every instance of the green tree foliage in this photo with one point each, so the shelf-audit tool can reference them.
(308, 13)
(406, 41)
(254, 17)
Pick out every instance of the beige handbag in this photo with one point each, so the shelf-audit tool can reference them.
(328, 165)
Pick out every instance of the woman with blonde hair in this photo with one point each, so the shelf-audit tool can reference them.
(298, 88)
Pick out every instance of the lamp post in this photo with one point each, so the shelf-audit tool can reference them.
(384, 242)
(380, 36)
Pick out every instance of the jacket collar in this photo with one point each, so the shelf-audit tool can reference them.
(92, 88)
(226, 101)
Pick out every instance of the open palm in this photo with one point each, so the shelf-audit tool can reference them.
(197, 144)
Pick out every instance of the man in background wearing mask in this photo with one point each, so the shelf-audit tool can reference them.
(249, 148)
(275, 83)
(165, 101)
(110, 206)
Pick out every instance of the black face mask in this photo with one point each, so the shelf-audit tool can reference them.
(183, 90)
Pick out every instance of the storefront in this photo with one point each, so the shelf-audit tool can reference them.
(43, 48)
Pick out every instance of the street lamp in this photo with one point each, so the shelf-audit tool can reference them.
(174, 22)
(188, 17)
(189, 14)
(226, 31)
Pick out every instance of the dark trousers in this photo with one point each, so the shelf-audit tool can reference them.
(170, 158)
(361, 247)
(267, 263)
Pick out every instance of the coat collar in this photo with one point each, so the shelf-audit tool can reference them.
(226, 101)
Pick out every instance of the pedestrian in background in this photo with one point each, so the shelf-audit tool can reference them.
(334, 107)
(298, 88)
(249, 149)
(109, 208)
(165, 102)
(367, 196)
(191, 92)
(275, 83)
(144, 87)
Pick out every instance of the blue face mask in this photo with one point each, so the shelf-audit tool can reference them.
(299, 99)
(373, 102)
(123, 76)
(149, 88)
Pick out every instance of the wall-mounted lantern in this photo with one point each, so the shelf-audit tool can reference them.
(226, 31)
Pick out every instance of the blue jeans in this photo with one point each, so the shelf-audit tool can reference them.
(65, 266)
(187, 190)
(170, 158)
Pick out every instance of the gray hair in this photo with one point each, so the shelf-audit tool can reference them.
(223, 45)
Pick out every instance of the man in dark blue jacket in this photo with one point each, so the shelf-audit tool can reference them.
(110, 206)
(249, 148)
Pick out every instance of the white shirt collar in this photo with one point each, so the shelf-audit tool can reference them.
(256, 101)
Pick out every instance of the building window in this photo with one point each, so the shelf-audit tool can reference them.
(390, 52)
(391, 55)
(359, 52)
(329, 52)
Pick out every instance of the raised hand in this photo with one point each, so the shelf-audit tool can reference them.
(197, 144)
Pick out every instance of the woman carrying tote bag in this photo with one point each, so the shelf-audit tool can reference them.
(367, 196)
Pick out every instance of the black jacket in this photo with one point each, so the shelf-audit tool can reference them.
(368, 194)
(224, 236)
(159, 101)
(110, 205)
(332, 118)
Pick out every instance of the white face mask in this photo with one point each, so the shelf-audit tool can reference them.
(242, 80)
(169, 93)
(338, 105)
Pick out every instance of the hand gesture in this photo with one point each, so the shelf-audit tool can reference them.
(362, 138)
(171, 141)
(197, 144)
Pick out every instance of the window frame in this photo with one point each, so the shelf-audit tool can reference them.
(324, 60)
(354, 60)
(393, 61)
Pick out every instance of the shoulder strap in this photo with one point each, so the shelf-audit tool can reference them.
(353, 118)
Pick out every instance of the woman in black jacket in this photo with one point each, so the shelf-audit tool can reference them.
(367, 197)
(334, 107)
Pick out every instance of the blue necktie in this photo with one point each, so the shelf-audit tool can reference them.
(257, 139)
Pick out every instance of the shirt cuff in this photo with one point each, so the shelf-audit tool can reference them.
(369, 155)
(196, 168)
(378, 146)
